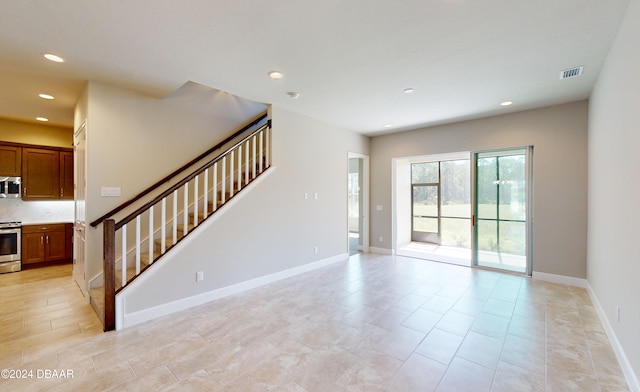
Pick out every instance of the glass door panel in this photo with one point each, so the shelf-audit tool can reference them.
(501, 185)
(425, 212)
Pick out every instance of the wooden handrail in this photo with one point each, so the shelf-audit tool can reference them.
(179, 184)
(184, 167)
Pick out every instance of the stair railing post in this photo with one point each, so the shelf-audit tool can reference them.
(109, 273)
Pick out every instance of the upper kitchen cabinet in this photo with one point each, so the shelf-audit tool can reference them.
(66, 175)
(40, 174)
(10, 161)
(47, 172)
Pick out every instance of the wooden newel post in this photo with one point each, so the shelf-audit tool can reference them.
(109, 273)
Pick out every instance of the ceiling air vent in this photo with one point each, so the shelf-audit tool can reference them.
(572, 72)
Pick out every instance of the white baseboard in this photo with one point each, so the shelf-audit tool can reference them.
(128, 320)
(380, 251)
(627, 369)
(561, 279)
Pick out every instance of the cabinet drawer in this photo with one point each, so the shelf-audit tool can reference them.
(41, 228)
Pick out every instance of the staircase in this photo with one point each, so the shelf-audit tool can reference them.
(142, 238)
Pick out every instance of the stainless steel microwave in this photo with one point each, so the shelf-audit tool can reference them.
(10, 187)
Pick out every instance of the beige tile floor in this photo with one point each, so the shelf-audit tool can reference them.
(370, 323)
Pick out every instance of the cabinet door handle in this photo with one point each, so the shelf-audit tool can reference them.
(61, 192)
(47, 239)
(42, 240)
(24, 191)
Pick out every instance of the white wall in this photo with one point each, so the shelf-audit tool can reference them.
(614, 190)
(559, 137)
(134, 140)
(272, 228)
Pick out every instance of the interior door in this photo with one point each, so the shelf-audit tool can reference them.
(79, 273)
(502, 209)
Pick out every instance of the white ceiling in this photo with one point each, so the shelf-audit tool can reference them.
(348, 59)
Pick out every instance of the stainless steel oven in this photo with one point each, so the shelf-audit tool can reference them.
(10, 246)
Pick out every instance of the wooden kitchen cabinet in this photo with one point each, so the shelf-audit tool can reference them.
(47, 174)
(46, 243)
(40, 174)
(66, 175)
(10, 161)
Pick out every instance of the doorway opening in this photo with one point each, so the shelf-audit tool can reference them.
(358, 203)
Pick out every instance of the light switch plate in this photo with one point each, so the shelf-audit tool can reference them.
(111, 191)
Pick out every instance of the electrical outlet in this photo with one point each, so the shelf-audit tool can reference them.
(618, 313)
(315, 250)
(199, 276)
(380, 239)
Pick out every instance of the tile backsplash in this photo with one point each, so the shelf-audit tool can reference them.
(14, 210)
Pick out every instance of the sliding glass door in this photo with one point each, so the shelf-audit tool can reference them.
(502, 209)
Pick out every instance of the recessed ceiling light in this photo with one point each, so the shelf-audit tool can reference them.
(46, 96)
(388, 125)
(275, 75)
(53, 57)
(43, 119)
(408, 90)
(506, 103)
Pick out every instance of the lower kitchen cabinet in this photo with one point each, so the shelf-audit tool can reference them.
(46, 243)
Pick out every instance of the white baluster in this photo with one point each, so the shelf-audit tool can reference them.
(240, 167)
(206, 193)
(246, 163)
(195, 201)
(253, 154)
(124, 255)
(163, 226)
(261, 163)
(175, 217)
(150, 237)
(231, 185)
(223, 196)
(185, 211)
(215, 186)
(268, 147)
(138, 245)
